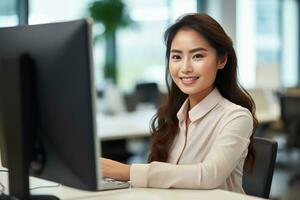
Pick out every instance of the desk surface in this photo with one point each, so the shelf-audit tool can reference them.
(124, 125)
(68, 193)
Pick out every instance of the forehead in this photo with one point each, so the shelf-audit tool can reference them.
(189, 38)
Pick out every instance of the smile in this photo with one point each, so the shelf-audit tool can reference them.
(189, 80)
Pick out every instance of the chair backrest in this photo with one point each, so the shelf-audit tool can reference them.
(290, 115)
(290, 108)
(258, 183)
(148, 93)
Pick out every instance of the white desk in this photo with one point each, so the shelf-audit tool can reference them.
(267, 105)
(68, 193)
(268, 116)
(125, 125)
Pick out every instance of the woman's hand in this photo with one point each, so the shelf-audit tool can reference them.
(115, 170)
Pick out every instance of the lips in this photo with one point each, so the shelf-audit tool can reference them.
(189, 79)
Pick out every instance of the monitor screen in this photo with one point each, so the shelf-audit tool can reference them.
(64, 92)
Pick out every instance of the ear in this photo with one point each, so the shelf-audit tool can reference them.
(222, 61)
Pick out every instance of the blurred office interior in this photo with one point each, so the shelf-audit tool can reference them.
(266, 38)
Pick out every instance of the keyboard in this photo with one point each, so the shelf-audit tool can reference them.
(112, 184)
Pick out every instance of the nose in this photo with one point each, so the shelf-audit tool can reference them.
(186, 66)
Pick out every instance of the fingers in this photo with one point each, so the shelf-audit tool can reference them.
(114, 169)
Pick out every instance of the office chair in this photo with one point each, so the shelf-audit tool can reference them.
(258, 183)
(290, 115)
(131, 101)
(148, 93)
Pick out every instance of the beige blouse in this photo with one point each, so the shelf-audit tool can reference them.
(210, 155)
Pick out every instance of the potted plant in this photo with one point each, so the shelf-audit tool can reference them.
(112, 15)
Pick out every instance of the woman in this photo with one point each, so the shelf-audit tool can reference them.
(201, 137)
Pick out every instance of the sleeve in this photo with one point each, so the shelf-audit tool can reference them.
(221, 160)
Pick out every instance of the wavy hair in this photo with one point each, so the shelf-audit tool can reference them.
(164, 125)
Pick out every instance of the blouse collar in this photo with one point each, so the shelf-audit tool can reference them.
(201, 108)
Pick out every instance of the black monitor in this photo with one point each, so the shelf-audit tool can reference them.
(47, 113)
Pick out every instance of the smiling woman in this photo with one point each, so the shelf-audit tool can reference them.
(193, 64)
(203, 134)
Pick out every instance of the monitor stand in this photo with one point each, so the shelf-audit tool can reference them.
(34, 197)
(17, 82)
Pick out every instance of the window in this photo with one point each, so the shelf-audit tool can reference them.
(265, 35)
(290, 39)
(56, 10)
(267, 43)
(8, 13)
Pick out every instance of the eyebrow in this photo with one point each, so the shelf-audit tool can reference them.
(190, 51)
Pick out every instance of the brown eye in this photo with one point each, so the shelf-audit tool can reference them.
(198, 56)
(176, 57)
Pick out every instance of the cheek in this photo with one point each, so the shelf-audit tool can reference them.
(207, 69)
(173, 69)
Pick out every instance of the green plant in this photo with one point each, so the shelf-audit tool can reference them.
(112, 15)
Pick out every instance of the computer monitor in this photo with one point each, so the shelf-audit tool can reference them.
(47, 105)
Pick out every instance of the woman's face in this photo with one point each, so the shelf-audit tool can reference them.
(193, 64)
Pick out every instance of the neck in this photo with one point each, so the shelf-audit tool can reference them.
(194, 99)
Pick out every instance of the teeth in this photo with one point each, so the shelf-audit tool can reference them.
(189, 78)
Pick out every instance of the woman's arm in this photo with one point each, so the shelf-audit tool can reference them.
(224, 156)
(226, 153)
(115, 170)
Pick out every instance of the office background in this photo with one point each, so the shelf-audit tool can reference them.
(265, 34)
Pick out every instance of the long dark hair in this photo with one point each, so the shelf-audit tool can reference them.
(164, 125)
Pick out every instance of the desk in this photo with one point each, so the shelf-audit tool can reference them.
(269, 114)
(124, 125)
(67, 193)
(266, 113)
(267, 105)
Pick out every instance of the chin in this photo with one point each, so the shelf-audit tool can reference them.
(189, 91)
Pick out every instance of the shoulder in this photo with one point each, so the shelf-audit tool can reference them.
(236, 117)
(231, 109)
